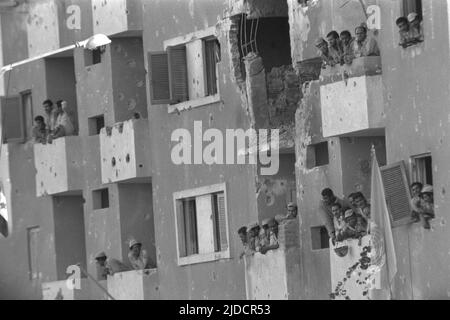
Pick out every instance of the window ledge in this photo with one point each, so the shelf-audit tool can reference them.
(187, 105)
(204, 257)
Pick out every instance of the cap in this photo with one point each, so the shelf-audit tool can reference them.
(252, 225)
(266, 221)
(427, 189)
(132, 243)
(100, 255)
(412, 16)
(319, 41)
(291, 205)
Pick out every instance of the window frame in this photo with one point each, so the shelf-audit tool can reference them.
(204, 35)
(413, 168)
(193, 193)
(27, 130)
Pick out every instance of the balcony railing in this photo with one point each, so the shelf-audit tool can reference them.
(58, 166)
(275, 275)
(352, 97)
(134, 285)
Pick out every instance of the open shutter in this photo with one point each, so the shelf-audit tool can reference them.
(159, 77)
(397, 193)
(12, 119)
(178, 74)
(222, 221)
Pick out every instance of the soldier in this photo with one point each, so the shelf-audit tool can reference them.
(364, 46)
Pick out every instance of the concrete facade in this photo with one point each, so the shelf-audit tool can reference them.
(116, 179)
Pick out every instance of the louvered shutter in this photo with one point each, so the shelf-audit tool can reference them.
(222, 222)
(178, 74)
(397, 193)
(159, 77)
(12, 119)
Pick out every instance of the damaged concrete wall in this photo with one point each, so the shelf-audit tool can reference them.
(411, 129)
(222, 279)
(128, 78)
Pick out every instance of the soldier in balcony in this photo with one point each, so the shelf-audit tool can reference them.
(416, 27)
(364, 46)
(338, 221)
(107, 266)
(51, 115)
(347, 47)
(138, 257)
(64, 125)
(335, 47)
(325, 213)
(39, 131)
(253, 236)
(324, 53)
(404, 31)
(242, 232)
(362, 205)
(271, 239)
(416, 199)
(427, 206)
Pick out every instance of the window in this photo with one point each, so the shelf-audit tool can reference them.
(422, 169)
(27, 107)
(202, 225)
(412, 6)
(186, 73)
(100, 199)
(397, 193)
(92, 57)
(317, 155)
(33, 252)
(319, 238)
(95, 124)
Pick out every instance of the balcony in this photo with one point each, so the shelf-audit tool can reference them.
(124, 151)
(340, 266)
(134, 285)
(275, 275)
(352, 97)
(58, 166)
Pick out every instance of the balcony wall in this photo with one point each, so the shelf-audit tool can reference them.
(124, 151)
(134, 285)
(340, 266)
(58, 166)
(276, 274)
(58, 290)
(352, 97)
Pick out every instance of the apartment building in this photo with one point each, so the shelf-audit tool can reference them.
(199, 65)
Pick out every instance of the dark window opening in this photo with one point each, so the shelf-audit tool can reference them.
(212, 57)
(95, 125)
(92, 57)
(422, 169)
(33, 252)
(27, 107)
(267, 37)
(412, 6)
(100, 199)
(189, 218)
(317, 155)
(319, 238)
